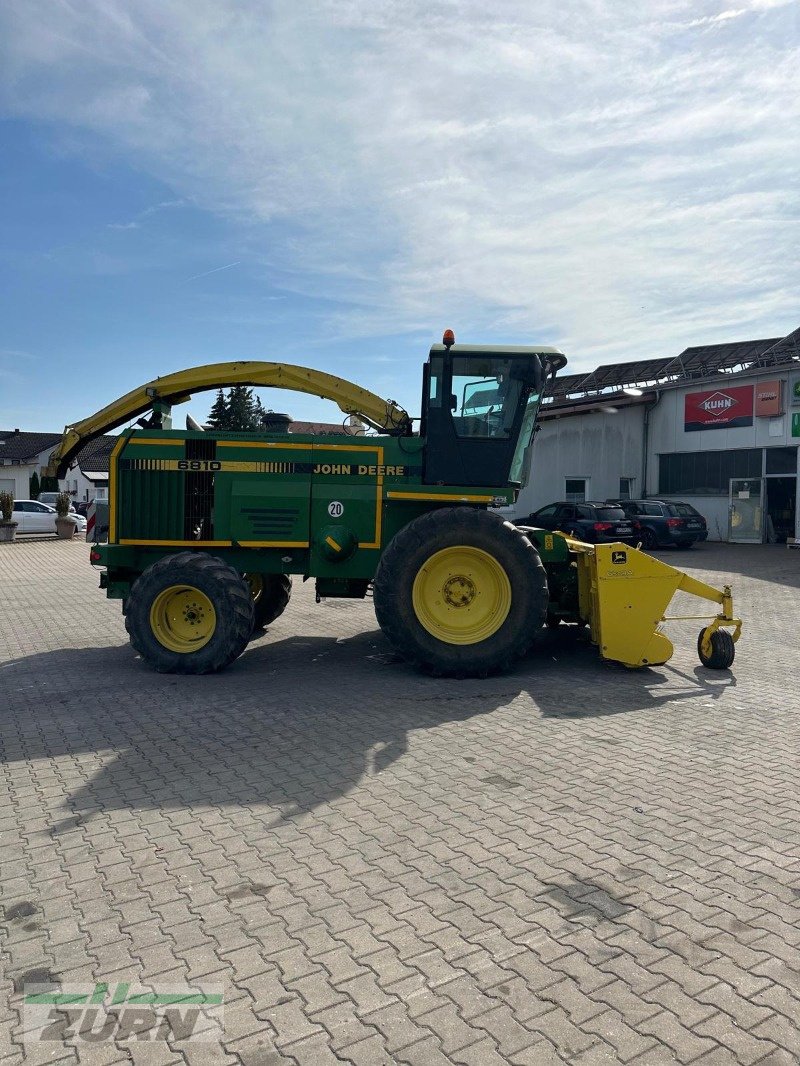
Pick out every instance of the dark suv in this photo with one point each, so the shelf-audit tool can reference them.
(664, 523)
(597, 523)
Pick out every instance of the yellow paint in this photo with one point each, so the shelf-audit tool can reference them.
(272, 543)
(112, 489)
(182, 619)
(461, 595)
(447, 497)
(163, 442)
(332, 543)
(178, 543)
(264, 444)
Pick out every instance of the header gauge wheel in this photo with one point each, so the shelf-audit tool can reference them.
(460, 592)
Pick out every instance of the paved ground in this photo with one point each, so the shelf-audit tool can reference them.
(575, 863)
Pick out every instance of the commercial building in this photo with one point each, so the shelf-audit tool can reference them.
(717, 426)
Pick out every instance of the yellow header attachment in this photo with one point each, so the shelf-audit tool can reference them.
(383, 415)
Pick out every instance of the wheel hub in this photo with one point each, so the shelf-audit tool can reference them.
(459, 590)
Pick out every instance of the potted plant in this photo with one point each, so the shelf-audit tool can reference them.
(8, 527)
(65, 524)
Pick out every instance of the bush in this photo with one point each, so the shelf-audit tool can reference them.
(63, 504)
(35, 486)
(6, 506)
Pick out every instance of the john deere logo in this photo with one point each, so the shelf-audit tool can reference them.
(717, 403)
(619, 558)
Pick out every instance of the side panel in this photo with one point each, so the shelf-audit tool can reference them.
(262, 492)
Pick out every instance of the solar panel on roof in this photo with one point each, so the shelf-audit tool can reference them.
(699, 361)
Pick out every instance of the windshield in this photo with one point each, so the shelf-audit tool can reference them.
(521, 463)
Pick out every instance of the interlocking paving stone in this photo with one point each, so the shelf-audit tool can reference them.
(572, 863)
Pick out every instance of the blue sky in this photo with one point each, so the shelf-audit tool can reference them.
(332, 184)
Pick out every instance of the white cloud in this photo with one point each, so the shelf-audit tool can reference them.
(616, 178)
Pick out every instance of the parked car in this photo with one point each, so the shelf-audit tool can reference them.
(81, 507)
(33, 516)
(665, 523)
(597, 523)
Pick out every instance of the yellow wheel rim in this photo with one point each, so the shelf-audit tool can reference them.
(183, 619)
(461, 595)
(256, 583)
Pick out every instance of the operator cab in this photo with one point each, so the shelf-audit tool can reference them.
(479, 408)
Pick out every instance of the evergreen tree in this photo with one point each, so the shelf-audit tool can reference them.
(242, 409)
(34, 487)
(219, 415)
(262, 414)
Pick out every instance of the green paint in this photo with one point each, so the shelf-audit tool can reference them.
(796, 424)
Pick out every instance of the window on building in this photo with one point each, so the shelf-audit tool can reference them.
(706, 473)
(626, 488)
(575, 489)
(101, 494)
(781, 461)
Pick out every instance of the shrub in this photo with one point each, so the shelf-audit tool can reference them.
(63, 504)
(6, 506)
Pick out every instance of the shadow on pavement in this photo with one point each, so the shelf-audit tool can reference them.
(765, 562)
(293, 724)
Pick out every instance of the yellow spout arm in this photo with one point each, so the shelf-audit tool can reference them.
(383, 415)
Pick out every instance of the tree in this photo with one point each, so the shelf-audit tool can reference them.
(34, 488)
(242, 409)
(219, 415)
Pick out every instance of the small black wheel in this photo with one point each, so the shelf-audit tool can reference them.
(723, 650)
(189, 613)
(460, 592)
(649, 539)
(271, 594)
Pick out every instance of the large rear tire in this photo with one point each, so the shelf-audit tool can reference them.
(189, 613)
(460, 592)
(271, 594)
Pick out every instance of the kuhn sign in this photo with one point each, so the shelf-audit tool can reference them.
(720, 409)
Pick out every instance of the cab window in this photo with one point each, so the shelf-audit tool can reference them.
(485, 396)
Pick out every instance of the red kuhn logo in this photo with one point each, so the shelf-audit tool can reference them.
(717, 403)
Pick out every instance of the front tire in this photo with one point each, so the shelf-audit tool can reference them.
(460, 592)
(189, 613)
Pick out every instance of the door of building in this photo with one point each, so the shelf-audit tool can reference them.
(746, 510)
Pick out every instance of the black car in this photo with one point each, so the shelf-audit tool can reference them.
(665, 523)
(597, 523)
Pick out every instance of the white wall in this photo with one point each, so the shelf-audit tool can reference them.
(602, 446)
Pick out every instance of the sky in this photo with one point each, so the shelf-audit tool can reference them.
(335, 182)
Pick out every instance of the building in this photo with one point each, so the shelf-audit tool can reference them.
(22, 454)
(718, 426)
